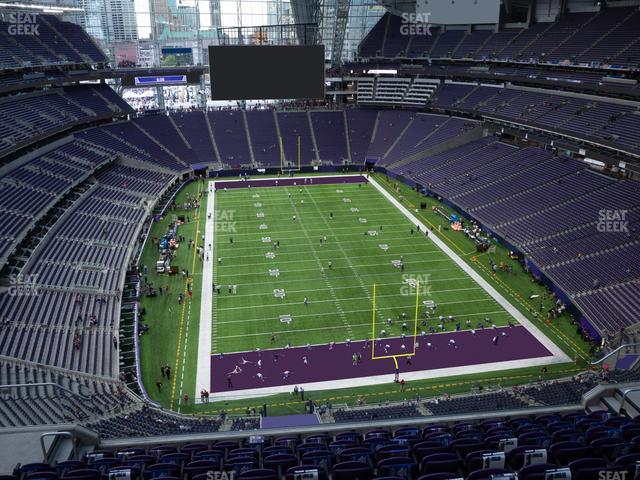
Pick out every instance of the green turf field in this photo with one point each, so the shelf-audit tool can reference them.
(365, 235)
(173, 335)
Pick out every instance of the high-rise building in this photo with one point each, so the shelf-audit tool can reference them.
(107, 21)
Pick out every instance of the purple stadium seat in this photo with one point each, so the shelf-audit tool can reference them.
(403, 467)
(534, 440)
(320, 458)
(565, 456)
(280, 462)
(586, 463)
(441, 437)
(276, 449)
(32, 468)
(611, 448)
(129, 473)
(161, 470)
(486, 473)
(68, 466)
(440, 462)
(391, 450)
(563, 445)
(474, 461)
(241, 464)
(139, 461)
(129, 452)
(291, 442)
(535, 472)
(567, 435)
(161, 450)
(198, 467)
(177, 458)
(379, 433)
(422, 449)
(241, 452)
(320, 438)
(464, 446)
(83, 474)
(259, 474)
(374, 443)
(351, 471)
(352, 437)
(492, 442)
(225, 445)
(312, 470)
(627, 459)
(104, 464)
(356, 454)
(309, 447)
(407, 432)
(213, 455)
(42, 476)
(192, 448)
(439, 476)
(337, 447)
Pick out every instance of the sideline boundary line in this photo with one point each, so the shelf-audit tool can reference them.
(203, 367)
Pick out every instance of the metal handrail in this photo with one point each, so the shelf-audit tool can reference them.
(613, 352)
(44, 384)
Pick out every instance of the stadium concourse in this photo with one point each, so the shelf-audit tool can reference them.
(496, 164)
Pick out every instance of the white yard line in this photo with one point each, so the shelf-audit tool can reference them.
(364, 275)
(380, 255)
(203, 370)
(368, 226)
(353, 287)
(367, 324)
(344, 242)
(338, 268)
(355, 299)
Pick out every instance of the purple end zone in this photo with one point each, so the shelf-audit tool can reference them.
(289, 181)
(285, 421)
(325, 364)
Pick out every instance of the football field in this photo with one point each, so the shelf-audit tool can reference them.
(293, 268)
(365, 235)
